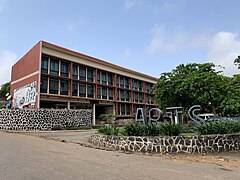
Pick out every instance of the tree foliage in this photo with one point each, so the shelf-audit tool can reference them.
(191, 84)
(237, 62)
(5, 88)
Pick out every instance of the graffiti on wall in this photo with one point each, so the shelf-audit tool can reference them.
(25, 95)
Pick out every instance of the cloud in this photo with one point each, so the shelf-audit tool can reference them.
(162, 42)
(224, 47)
(221, 48)
(7, 59)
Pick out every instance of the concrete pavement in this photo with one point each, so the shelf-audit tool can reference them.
(29, 157)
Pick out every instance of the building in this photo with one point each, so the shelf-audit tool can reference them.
(49, 76)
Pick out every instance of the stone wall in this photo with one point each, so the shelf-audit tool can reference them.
(169, 144)
(44, 119)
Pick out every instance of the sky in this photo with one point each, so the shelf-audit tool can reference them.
(149, 36)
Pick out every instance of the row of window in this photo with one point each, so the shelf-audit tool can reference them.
(62, 68)
(125, 109)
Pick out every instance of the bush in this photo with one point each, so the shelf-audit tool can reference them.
(56, 127)
(109, 130)
(171, 129)
(219, 127)
(134, 129)
(73, 127)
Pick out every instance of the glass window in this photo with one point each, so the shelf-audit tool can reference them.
(121, 82)
(110, 93)
(140, 97)
(98, 77)
(122, 109)
(75, 71)
(104, 92)
(90, 75)
(104, 78)
(82, 89)
(44, 84)
(127, 95)
(122, 95)
(127, 83)
(128, 109)
(75, 89)
(99, 92)
(90, 92)
(64, 87)
(82, 75)
(44, 64)
(53, 85)
(54, 67)
(110, 79)
(64, 69)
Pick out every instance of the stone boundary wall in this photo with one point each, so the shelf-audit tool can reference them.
(44, 119)
(169, 144)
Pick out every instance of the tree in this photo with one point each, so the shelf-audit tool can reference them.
(5, 88)
(237, 62)
(191, 84)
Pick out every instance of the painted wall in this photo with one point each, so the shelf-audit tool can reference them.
(26, 70)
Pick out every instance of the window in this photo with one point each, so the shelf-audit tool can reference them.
(82, 75)
(127, 83)
(140, 97)
(99, 92)
(122, 95)
(121, 82)
(128, 109)
(90, 92)
(75, 71)
(64, 87)
(54, 67)
(75, 89)
(127, 95)
(53, 85)
(104, 92)
(82, 89)
(123, 109)
(64, 69)
(44, 84)
(110, 79)
(98, 77)
(44, 64)
(90, 75)
(110, 93)
(104, 78)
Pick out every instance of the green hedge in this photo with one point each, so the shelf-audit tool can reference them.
(219, 127)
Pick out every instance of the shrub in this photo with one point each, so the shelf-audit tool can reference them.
(56, 127)
(219, 127)
(73, 127)
(134, 129)
(152, 130)
(109, 130)
(171, 129)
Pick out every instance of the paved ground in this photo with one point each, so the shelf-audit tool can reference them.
(30, 157)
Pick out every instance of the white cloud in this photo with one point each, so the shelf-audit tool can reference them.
(161, 42)
(224, 47)
(221, 47)
(7, 59)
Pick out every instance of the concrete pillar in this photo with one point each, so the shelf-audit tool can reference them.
(93, 114)
(68, 105)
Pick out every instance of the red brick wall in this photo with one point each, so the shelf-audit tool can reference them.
(27, 65)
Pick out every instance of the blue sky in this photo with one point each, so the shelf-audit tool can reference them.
(150, 36)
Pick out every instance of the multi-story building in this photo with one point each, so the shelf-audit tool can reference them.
(49, 76)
